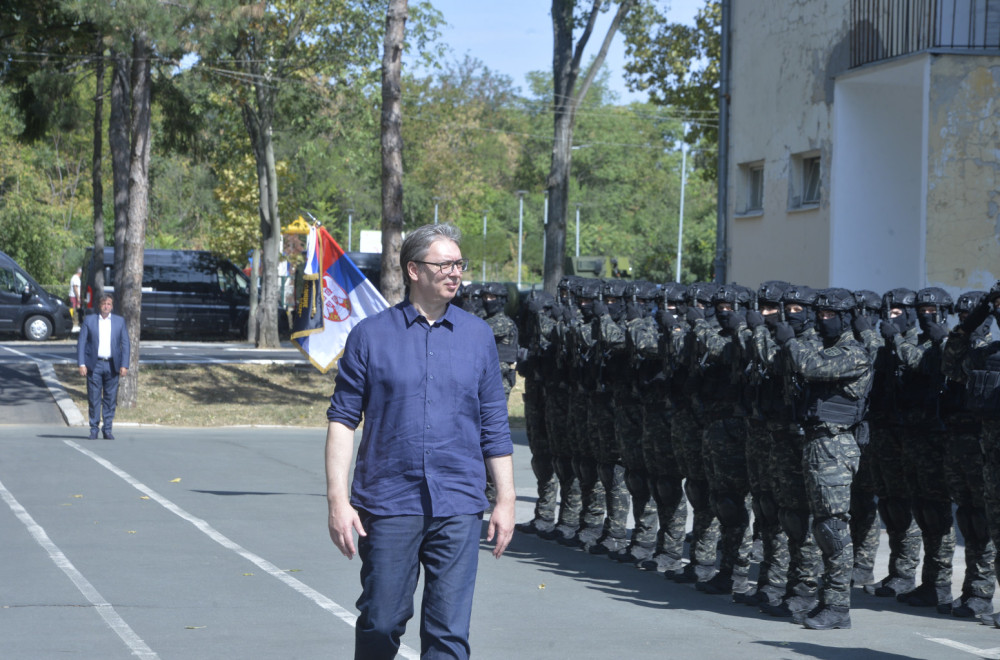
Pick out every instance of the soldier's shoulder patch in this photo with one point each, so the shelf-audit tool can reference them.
(832, 352)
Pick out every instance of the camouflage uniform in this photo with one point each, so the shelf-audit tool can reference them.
(834, 378)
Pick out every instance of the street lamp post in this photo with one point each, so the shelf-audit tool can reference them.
(520, 233)
(680, 222)
(436, 200)
(350, 233)
(578, 230)
(484, 245)
(545, 227)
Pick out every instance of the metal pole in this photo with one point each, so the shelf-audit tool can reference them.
(520, 233)
(578, 230)
(484, 245)
(545, 228)
(350, 233)
(436, 209)
(680, 222)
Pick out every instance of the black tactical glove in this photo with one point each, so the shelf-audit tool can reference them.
(977, 316)
(888, 330)
(783, 333)
(732, 323)
(860, 323)
(633, 311)
(666, 319)
(754, 319)
(771, 321)
(600, 309)
(937, 332)
(694, 313)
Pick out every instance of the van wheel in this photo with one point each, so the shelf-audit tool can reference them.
(37, 328)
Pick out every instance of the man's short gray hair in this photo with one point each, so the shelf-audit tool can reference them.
(418, 242)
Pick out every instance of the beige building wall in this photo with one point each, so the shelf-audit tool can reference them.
(963, 175)
(785, 55)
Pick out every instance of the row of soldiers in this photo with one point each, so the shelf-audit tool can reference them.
(818, 411)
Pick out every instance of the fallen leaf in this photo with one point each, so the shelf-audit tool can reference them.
(131, 531)
(175, 481)
(541, 586)
(194, 627)
(78, 496)
(248, 574)
(293, 570)
(144, 497)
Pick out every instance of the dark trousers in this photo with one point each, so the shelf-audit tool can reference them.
(391, 556)
(102, 395)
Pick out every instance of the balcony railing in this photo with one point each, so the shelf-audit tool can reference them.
(883, 29)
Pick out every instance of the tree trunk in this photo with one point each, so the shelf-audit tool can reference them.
(254, 296)
(392, 151)
(97, 183)
(119, 141)
(138, 196)
(566, 58)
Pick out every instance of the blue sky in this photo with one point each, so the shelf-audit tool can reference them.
(514, 37)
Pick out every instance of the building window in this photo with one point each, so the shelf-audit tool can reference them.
(751, 198)
(806, 187)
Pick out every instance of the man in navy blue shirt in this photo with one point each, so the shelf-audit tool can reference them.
(425, 378)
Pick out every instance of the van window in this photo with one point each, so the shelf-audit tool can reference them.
(231, 280)
(183, 278)
(7, 281)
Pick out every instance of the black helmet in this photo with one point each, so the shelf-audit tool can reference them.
(934, 295)
(968, 301)
(900, 297)
(771, 291)
(835, 299)
(614, 287)
(736, 295)
(672, 292)
(539, 300)
(797, 293)
(868, 301)
(643, 290)
(588, 288)
(494, 297)
(701, 292)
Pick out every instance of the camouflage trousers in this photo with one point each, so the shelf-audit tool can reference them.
(686, 434)
(628, 432)
(991, 478)
(804, 558)
(542, 460)
(585, 460)
(601, 420)
(773, 569)
(893, 475)
(865, 521)
(830, 459)
(665, 480)
(724, 450)
(932, 504)
(964, 472)
(558, 433)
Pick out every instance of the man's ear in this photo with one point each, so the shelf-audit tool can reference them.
(412, 270)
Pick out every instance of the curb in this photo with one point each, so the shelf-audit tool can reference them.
(71, 414)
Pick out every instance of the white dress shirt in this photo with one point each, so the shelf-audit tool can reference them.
(104, 337)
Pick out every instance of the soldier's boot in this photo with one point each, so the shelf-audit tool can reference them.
(545, 506)
(928, 595)
(828, 617)
(762, 595)
(795, 607)
(539, 526)
(692, 573)
(661, 562)
(608, 545)
(904, 548)
(862, 576)
(893, 586)
(585, 537)
(967, 607)
(562, 534)
(633, 553)
(724, 583)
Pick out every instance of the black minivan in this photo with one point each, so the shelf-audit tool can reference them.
(28, 309)
(184, 292)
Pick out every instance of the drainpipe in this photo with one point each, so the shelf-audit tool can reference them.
(722, 208)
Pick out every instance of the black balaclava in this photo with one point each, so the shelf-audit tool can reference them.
(830, 329)
(906, 320)
(800, 321)
(495, 306)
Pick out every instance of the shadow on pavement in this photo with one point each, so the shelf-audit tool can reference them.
(24, 397)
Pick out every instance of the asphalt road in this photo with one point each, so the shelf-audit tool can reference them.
(155, 352)
(212, 543)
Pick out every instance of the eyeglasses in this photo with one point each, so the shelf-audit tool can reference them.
(447, 267)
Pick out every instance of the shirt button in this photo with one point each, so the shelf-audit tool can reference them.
(428, 426)
(428, 451)
(431, 353)
(430, 377)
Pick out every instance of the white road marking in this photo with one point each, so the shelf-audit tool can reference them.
(209, 531)
(107, 612)
(991, 654)
(19, 353)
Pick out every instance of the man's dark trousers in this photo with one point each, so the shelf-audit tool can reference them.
(391, 556)
(102, 379)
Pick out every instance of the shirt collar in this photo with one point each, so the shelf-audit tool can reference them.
(411, 314)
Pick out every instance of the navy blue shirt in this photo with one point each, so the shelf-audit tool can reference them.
(433, 407)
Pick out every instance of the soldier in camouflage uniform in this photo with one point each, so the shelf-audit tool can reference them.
(766, 403)
(787, 446)
(687, 433)
(721, 396)
(583, 393)
(893, 468)
(918, 355)
(536, 364)
(607, 376)
(980, 369)
(659, 391)
(493, 299)
(964, 469)
(557, 427)
(834, 376)
(865, 522)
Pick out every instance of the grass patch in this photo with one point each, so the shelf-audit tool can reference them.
(230, 395)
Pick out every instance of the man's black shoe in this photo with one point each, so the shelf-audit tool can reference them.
(108, 435)
(829, 617)
(93, 434)
(928, 595)
(968, 607)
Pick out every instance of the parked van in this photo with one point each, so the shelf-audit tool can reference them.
(28, 309)
(184, 292)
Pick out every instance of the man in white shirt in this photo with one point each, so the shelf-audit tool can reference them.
(103, 351)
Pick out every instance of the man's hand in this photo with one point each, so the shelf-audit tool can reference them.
(344, 521)
(122, 371)
(83, 370)
(694, 313)
(888, 330)
(783, 333)
(501, 526)
(754, 319)
(860, 323)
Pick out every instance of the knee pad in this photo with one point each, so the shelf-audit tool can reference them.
(973, 525)
(795, 523)
(543, 467)
(731, 509)
(769, 508)
(670, 491)
(832, 534)
(896, 513)
(933, 518)
(697, 493)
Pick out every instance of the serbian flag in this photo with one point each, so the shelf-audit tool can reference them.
(335, 297)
